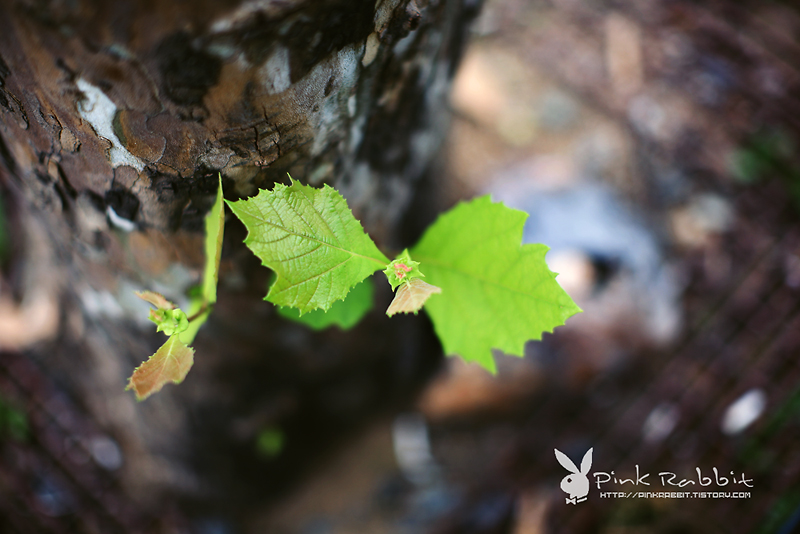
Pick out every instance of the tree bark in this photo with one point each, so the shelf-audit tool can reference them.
(115, 120)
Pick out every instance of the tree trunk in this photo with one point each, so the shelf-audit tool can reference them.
(115, 120)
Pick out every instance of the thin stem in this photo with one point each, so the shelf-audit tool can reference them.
(206, 307)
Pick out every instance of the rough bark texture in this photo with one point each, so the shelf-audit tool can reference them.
(115, 118)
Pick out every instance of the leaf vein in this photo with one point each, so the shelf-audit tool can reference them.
(316, 275)
(318, 240)
(313, 207)
(430, 261)
(301, 255)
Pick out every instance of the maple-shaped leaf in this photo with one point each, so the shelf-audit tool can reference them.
(343, 313)
(412, 296)
(170, 363)
(496, 293)
(311, 240)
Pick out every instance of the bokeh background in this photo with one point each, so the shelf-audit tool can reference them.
(654, 146)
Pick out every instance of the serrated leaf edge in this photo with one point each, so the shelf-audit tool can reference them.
(171, 341)
(301, 189)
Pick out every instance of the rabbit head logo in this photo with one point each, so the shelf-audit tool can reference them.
(576, 484)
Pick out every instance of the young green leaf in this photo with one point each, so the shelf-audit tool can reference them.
(173, 360)
(311, 240)
(201, 305)
(170, 363)
(169, 321)
(343, 313)
(402, 269)
(214, 225)
(168, 318)
(412, 296)
(496, 293)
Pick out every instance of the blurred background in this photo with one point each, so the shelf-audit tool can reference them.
(654, 146)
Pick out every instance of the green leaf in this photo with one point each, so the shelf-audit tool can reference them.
(201, 305)
(412, 296)
(311, 240)
(169, 321)
(214, 223)
(402, 269)
(496, 293)
(343, 313)
(167, 317)
(170, 363)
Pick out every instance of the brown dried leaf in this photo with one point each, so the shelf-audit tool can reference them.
(410, 297)
(156, 299)
(170, 363)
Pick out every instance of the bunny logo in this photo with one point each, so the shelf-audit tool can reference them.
(575, 484)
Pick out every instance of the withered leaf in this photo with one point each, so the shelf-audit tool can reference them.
(170, 363)
(411, 296)
(156, 299)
